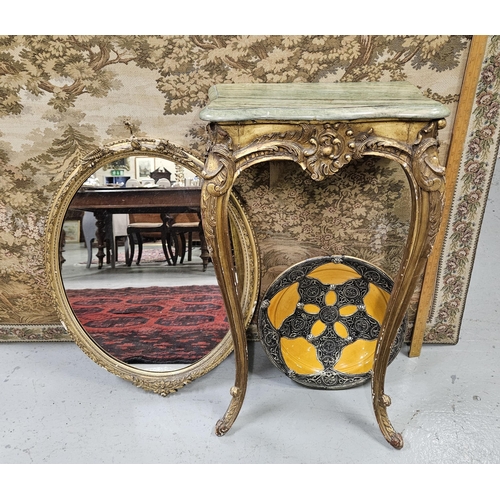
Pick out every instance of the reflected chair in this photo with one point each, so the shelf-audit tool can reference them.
(184, 224)
(152, 226)
(120, 225)
(115, 229)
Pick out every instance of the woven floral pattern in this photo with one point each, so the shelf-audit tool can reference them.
(360, 211)
(467, 211)
(63, 96)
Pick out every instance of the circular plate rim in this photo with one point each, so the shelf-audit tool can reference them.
(332, 380)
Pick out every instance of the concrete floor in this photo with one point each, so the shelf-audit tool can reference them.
(60, 407)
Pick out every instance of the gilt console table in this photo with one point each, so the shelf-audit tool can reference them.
(323, 127)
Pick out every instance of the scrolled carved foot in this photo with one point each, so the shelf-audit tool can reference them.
(221, 427)
(396, 441)
(392, 437)
(225, 423)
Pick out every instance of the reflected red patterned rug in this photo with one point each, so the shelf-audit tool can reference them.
(154, 324)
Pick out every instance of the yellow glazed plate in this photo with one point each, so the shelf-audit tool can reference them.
(320, 320)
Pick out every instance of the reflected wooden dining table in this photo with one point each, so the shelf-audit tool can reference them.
(104, 201)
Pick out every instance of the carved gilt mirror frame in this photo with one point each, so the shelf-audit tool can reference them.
(245, 254)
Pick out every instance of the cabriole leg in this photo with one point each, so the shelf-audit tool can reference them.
(216, 232)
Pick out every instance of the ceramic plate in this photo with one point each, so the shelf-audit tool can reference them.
(319, 321)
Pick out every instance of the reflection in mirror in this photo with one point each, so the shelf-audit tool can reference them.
(129, 269)
(162, 310)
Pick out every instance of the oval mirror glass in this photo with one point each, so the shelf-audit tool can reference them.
(130, 272)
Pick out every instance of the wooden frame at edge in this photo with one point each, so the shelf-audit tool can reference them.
(460, 127)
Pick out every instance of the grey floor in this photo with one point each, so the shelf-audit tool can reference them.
(59, 407)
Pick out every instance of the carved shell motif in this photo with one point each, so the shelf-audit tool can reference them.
(331, 149)
(321, 149)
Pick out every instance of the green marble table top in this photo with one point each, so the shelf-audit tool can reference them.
(319, 102)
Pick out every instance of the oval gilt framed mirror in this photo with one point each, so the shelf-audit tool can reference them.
(129, 270)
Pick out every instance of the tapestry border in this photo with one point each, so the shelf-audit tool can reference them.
(34, 333)
(469, 204)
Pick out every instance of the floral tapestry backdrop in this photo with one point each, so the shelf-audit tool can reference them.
(476, 170)
(63, 96)
(361, 211)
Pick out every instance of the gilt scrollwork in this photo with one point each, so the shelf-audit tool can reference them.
(420, 160)
(159, 382)
(219, 168)
(208, 205)
(218, 176)
(143, 146)
(428, 172)
(224, 424)
(366, 143)
(436, 204)
(178, 155)
(430, 177)
(381, 402)
(331, 149)
(96, 156)
(321, 149)
(162, 387)
(426, 176)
